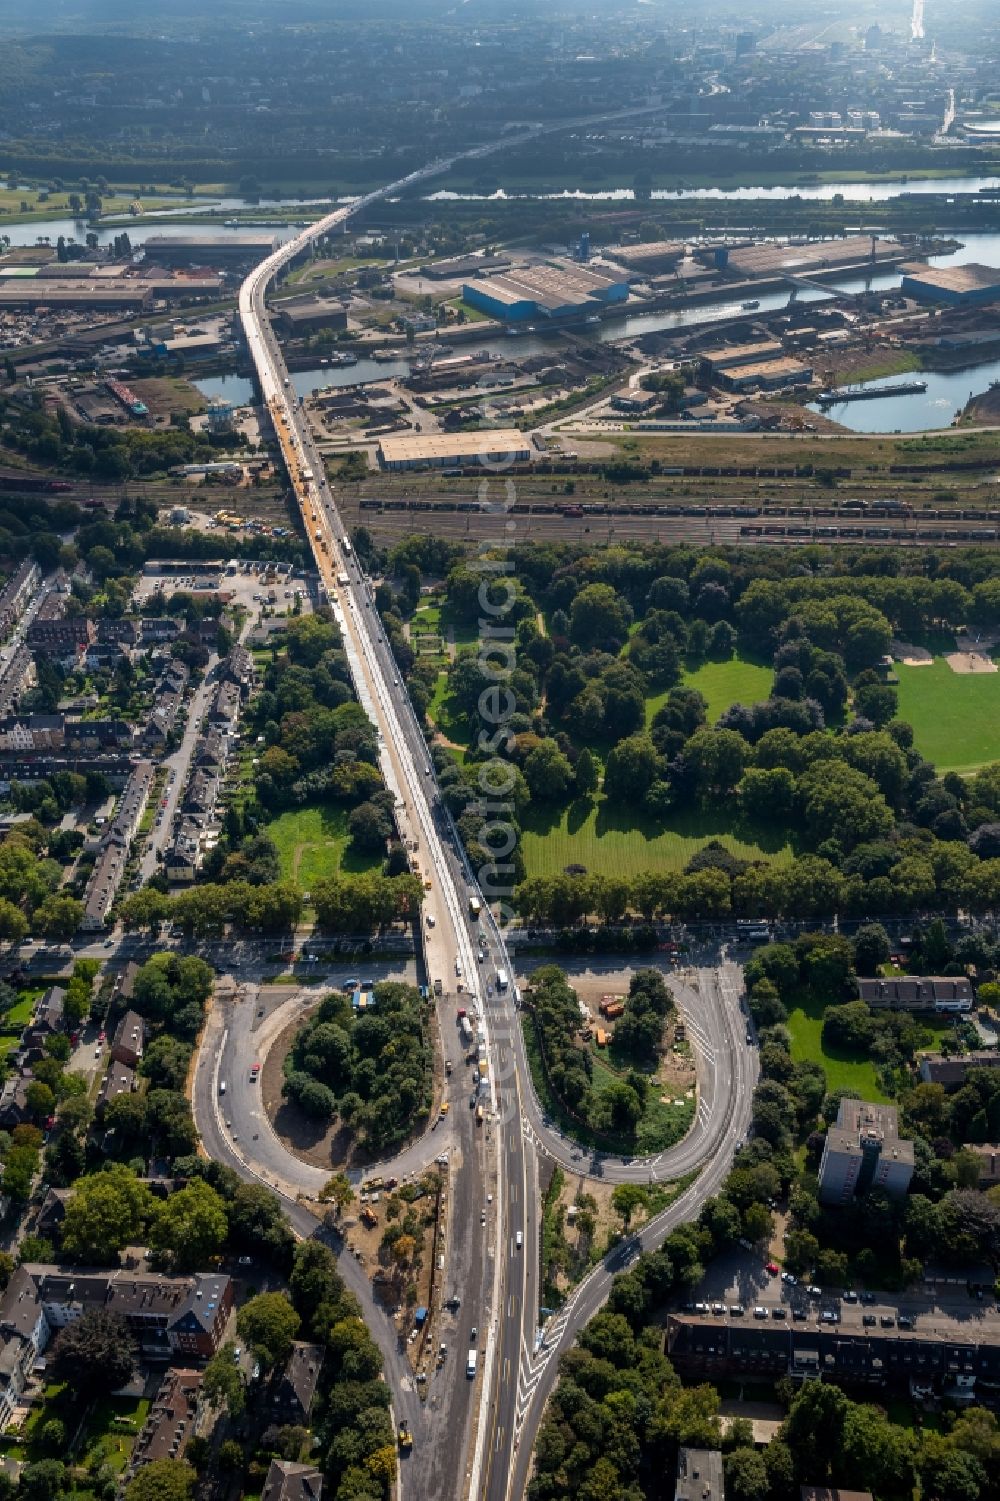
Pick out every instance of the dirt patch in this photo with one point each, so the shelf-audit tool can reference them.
(325, 1146)
(311, 1141)
(910, 655)
(964, 662)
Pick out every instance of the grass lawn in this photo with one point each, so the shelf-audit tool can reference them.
(955, 717)
(441, 710)
(19, 1014)
(618, 843)
(722, 684)
(313, 842)
(112, 1429)
(844, 1070)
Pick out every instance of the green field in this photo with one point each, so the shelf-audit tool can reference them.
(313, 842)
(955, 716)
(723, 684)
(616, 842)
(843, 1069)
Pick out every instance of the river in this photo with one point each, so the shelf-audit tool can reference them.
(851, 190)
(946, 394)
(157, 221)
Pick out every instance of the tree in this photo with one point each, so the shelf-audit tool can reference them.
(370, 826)
(190, 1226)
(42, 1481)
(871, 948)
(58, 917)
(587, 773)
(746, 1476)
(626, 1198)
(223, 1382)
(599, 616)
(13, 923)
(95, 1353)
(269, 1324)
(162, 1480)
(548, 773)
(338, 1188)
(106, 1212)
(631, 769)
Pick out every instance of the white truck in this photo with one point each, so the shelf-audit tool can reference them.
(472, 1363)
(502, 980)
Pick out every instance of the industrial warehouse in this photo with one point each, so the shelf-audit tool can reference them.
(497, 447)
(561, 289)
(962, 286)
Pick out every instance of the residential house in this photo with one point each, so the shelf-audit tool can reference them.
(225, 710)
(864, 1150)
(125, 981)
(157, 629)
(202, 793)
(53, 1211)
(941, 993)
(170, 1424)
(212, 751)
(699, 1475)
(163, 718)
(288, 1481)
(239, 669)
(130, 1034)
(293, 1391)
(176, 676)
(99, 734)
(17, 593)
(57, 636)
(119, 1080)
(945, 1355)
(14, 1108)
(184, 856)
(106, 876)
(169, 1316)
(126, 631)
(935, 1068)
(14, 678)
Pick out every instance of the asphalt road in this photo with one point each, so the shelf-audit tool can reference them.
(497, 1277)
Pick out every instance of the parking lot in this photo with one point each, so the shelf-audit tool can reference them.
(741, 1286)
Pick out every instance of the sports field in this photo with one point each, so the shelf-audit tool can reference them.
(611, 843)
(955, 716)
(314, 842)
(723, 684)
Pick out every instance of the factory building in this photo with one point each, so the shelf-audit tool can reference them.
(864, 1150)
(812, 259)
(208, 250)
(768, 375)
(559, 290)
(308, 315)
(960, 286)
(651, 258)
(496, 447)
(731, 355)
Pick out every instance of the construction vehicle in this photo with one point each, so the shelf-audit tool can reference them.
(404, 1437)
(369, 1217)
